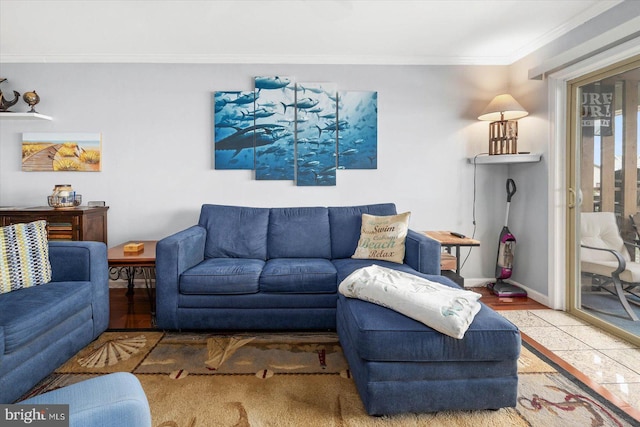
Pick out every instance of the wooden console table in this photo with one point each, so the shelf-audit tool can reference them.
(79, 223)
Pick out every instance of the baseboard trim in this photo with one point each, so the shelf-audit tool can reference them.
(478, 282)
(122, 284)
(533, 294)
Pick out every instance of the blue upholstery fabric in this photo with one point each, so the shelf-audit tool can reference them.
(78, 322)
(54, 303)
(429, 390)
(258, 318)
(346, 221)
(42, 327)
(439, 370)
(400, 365)
(299, 233)
(175, 254)
(299, 245)
(90, 258)
(298, 276)
(247, 302)
(422, 253)
(114, 400)
(22, 369)
(381, 334)
(222, 276)
(234, 231)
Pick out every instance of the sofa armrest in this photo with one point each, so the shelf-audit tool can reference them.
(83, 261)
(174, 255)
(422, 253)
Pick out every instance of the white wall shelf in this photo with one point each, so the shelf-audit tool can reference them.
(503, 159)
(24, 116)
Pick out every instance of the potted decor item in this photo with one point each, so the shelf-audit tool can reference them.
(63, 196)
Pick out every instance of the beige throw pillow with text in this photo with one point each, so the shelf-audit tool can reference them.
(383, 237)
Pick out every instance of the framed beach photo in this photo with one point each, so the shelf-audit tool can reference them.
(61, 152)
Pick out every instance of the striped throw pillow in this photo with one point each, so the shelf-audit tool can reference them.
(24, 256)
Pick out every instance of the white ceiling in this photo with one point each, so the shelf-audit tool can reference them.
(294, 31)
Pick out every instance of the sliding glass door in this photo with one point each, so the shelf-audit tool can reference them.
(603, 217)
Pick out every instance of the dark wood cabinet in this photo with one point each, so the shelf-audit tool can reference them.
(80, 223)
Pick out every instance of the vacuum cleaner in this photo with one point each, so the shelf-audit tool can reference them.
(506, 250)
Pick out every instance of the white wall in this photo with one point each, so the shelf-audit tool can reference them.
(156, 125)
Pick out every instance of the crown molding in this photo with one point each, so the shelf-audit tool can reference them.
(597, 9)
(252, 59)
(621, 37)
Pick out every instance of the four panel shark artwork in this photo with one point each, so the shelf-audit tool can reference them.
(304, 132)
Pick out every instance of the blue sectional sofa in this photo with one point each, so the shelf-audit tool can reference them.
(267, 268)
(243, 268)
(42, 327)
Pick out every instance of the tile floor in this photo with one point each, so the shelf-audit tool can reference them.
(606, 359)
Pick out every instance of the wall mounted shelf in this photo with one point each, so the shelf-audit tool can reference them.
(504, 159)
(24, 116)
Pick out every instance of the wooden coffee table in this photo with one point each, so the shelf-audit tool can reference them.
(127, 264)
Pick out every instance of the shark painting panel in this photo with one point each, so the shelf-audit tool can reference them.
(358, 133)
(317, 133)
(235, 133)
(275, 161)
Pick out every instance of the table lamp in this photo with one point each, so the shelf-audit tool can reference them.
(503, 129)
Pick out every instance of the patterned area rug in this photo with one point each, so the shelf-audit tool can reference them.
(294, 379)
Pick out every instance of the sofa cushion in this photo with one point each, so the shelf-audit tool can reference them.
(234, 231)
(384, 335)
(299, 276)
(24, 256)
(53, 302)
(216, 276)
(382, 237)
(299, 233)
(345, 222)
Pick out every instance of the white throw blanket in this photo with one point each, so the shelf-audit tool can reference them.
(440, 307)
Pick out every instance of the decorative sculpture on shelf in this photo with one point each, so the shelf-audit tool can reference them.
(5, 103)
(31, 98)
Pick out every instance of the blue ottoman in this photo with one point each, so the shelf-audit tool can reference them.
(114, 400)
(401, 365)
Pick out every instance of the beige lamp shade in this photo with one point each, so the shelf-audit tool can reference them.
(503, 107)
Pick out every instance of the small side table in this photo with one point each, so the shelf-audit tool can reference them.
(448, 241)
(127, 264)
